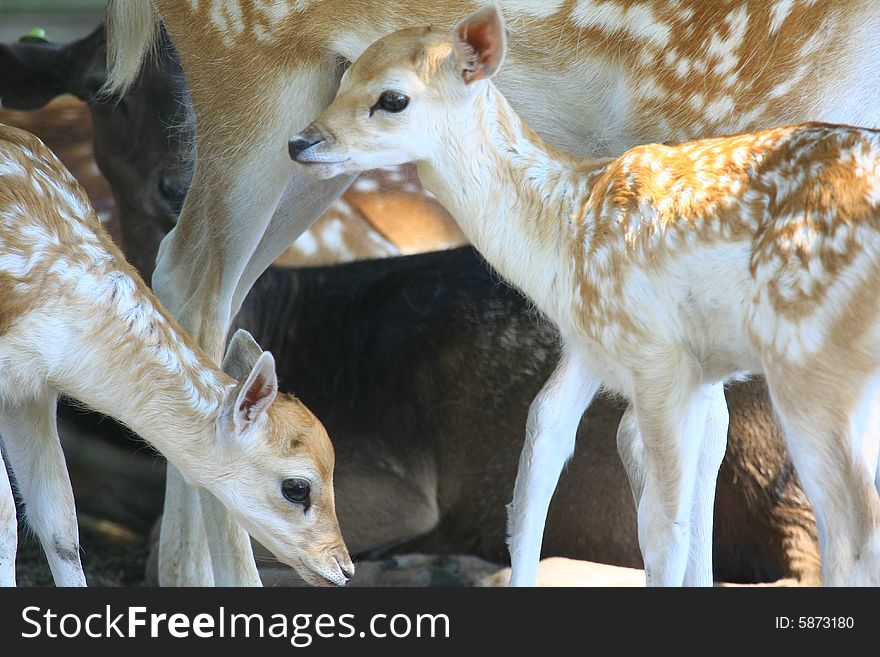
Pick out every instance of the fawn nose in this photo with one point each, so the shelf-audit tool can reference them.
(346, 567)
(302, 142)
(347, 571)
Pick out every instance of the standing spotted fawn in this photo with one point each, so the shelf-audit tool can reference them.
(76, 319)
(668, 270)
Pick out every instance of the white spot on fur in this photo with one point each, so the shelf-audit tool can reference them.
(10, 167)
(226, 15)
(724, 49)
(307, 243)
(650, 90)
(790, 82)
(366, 185)
(275, 10)
(778, 14)
(719, 109)
(638, 20)
(531, 8)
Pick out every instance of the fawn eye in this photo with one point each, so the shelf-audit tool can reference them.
(296, 490)
(390, 101)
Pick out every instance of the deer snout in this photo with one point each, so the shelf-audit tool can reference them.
(346, 567)
(302, 142)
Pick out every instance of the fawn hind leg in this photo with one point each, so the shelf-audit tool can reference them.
(31, 438)
(833, 438)
(8, 527)
(550, 436)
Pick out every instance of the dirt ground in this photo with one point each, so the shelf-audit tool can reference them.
(107, 563)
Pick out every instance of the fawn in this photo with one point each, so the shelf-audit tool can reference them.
(76, 319)
(667, 270)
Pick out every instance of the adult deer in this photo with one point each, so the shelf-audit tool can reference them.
(588, 76)
(668, 271)
(76, 319)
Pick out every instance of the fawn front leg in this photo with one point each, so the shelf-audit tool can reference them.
(712, 447)
(632, 452)
(8, 527)
(714, 444)
(550, 436)
(31, 437)
(672, 416)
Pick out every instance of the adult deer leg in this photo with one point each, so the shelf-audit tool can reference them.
(303, 197)
(632, 452)
(222, 234)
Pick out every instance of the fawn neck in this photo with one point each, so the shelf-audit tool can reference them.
(132, 362)
(515, 197)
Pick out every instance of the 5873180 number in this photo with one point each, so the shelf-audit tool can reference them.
(815, 622)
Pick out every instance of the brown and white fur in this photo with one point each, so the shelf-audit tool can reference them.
(668, 271)
(76, 319)
(590, 77)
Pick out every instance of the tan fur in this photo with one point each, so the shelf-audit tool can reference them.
(683, 76)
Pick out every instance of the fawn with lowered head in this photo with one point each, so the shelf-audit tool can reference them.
(668, 270)
(76, 319)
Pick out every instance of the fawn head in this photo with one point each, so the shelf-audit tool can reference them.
(277, 477)
(395, 102)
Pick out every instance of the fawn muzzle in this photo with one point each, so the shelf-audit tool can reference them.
(302, 142)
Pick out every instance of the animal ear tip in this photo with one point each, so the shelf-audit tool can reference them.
(267, 359)
(241, 334)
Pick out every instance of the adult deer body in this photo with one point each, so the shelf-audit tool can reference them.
(667, 270)
(76, 319)
(588, 76)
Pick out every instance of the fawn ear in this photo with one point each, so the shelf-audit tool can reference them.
(480, 44)
(245, 361)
